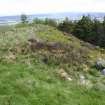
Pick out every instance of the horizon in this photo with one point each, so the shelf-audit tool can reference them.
(88, 13)
(18, 7)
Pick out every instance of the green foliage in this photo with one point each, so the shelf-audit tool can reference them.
(50, 22)
(24, 19)
(94, 72)
(66, 25)
(21, 85)
(47, 21)
(83, 28)
(37, 21)
(86, 29)
(21, 25)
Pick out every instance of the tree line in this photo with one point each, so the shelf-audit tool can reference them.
(46, 21)
(87, 29)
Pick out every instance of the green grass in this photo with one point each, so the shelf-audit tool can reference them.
(39, 83)
(20, 85)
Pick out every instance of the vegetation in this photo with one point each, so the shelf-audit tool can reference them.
(24, 19)
(36, 60)
(32, 77)
(50, 22)
(86, 29)
(66, 25)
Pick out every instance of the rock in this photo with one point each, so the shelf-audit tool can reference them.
(18, 50)
(32, 40)
(82, 80)
(51, 46)
(40, 45)
(63, 74)
(85, 82)
(27, 62)
(54, 46)
(69, 79)
(34, 44)
(100, 64)
(103, 72)
(10, 56)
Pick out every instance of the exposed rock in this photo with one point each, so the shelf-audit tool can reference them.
(18, 50)
(51, 46)
(10, 56)
(34, 44)
(55, 47)
(100, 64)
(28, 62)
(103, 72)
(40, 45)
(64, 75)
(84, 82)
(32, 40)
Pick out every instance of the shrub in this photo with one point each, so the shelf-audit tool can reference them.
(24, 19)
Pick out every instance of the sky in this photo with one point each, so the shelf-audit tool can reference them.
(17, 7)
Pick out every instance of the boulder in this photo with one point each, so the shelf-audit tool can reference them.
(85, 82)
(54, 46)
(10, 56)
(82, 80)
(34, 44)
(103, 72)
(64, 75)
(100, 64)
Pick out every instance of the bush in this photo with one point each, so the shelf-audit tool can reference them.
(24, 19)
(50, 22)
(86, 29)
(37, 21)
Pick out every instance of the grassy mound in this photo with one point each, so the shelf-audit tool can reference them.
(31, 78)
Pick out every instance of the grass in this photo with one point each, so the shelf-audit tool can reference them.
(20, 85)
(50, 33)
(37, 83)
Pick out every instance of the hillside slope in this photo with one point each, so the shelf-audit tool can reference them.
(29, 73)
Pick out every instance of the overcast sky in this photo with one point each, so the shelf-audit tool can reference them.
(17, 7)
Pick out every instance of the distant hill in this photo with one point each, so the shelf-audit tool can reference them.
(73, 16)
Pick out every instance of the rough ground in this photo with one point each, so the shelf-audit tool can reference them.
(36, 73)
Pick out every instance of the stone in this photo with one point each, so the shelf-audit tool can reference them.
(35, 44)
(103, 72)
(32, 40)
(82, 80)
(85, 82)
(100, 64)
(10, 56)
(64, 75)
(54, 46)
